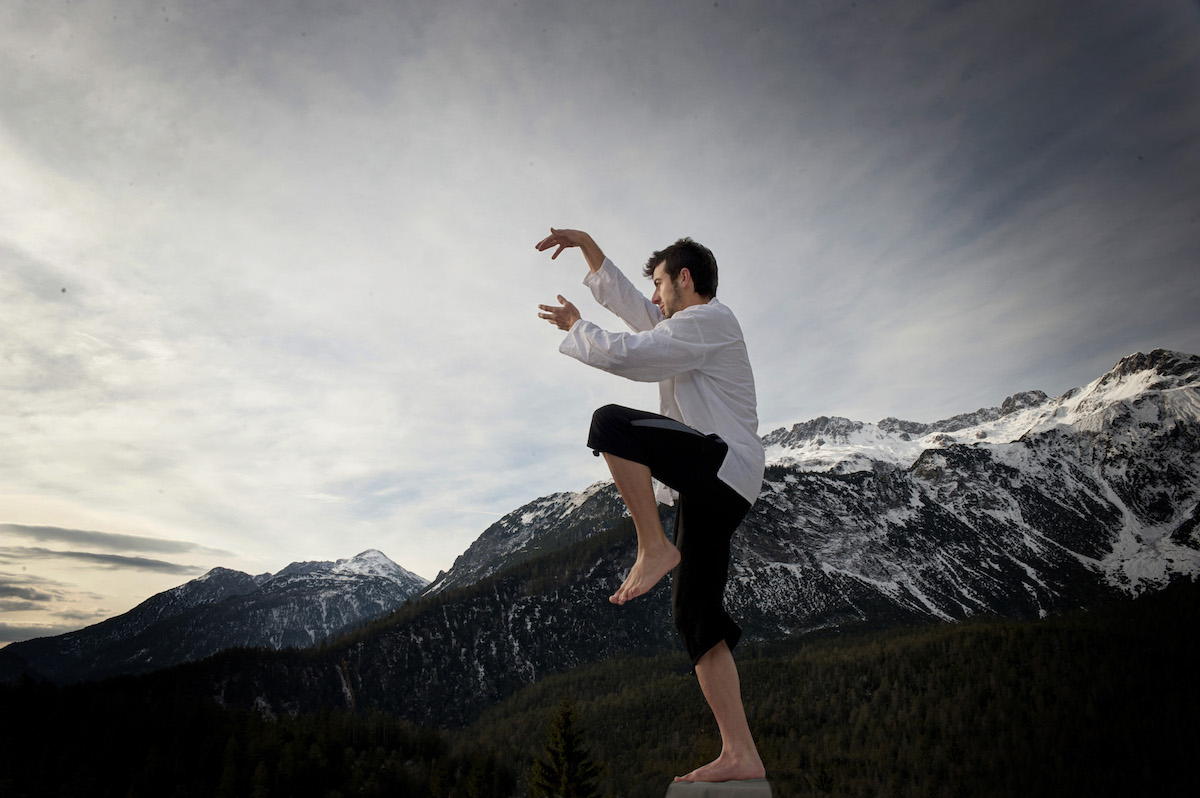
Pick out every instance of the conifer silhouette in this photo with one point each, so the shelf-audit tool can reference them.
(567, 769)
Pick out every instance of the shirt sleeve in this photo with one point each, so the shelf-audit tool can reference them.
(672, 347)
(613, 290)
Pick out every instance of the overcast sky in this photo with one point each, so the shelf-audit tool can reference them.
(268, 286)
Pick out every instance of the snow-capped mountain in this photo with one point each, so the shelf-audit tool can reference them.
(1035, 506)
(300, 605)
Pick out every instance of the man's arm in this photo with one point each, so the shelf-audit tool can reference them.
(565, 239)
(673, 347)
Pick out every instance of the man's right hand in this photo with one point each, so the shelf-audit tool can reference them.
(565, 239)
(563, 317)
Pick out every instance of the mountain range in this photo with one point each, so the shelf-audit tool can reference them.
(303, 604)
(1036, 506)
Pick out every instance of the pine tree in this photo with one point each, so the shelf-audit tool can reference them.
(567, 769)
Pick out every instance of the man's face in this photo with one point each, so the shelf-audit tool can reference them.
(666, 291)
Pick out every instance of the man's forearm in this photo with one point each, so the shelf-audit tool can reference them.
(591, 253)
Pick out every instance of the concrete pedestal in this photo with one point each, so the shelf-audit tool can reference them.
(750, 788)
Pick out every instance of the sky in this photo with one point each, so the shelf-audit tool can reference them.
(268, 285)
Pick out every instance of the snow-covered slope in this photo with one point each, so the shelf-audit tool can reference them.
(842, 446)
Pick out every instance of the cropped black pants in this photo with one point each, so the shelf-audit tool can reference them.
(707, 514)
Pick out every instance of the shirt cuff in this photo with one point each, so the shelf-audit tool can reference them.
(600, 275)
(570, 345)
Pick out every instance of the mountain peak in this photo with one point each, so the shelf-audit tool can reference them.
(1134, 379)
(218, 573)
(1164, 362)
(371, 555)
(374, 562)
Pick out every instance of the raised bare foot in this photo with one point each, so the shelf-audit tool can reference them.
(648, 568)
(728, 768)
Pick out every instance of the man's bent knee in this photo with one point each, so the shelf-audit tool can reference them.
(606, 416)
(610, 433)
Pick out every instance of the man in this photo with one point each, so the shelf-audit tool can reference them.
(703, 448)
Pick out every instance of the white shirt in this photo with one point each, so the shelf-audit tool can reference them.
(699, 360)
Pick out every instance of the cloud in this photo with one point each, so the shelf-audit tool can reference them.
(15, 632)
(42, 602)
(82, 616)
(30, 588)
(110, 541)
(7, 605)
(13, 554)
(28, 595)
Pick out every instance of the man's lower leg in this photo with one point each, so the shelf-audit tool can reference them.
(656, 556)
(739, 757)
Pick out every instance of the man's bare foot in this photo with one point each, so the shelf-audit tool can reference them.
(648, 568)
(728, 768)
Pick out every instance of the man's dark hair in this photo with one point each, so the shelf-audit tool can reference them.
(687, 254)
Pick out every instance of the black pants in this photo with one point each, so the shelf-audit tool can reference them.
(707, 513)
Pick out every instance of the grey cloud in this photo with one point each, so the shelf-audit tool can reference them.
(27, 598)
(19, 606)
(16, 553)
(78, 616)
(30, 593)
(11, 591)
(109, 541)
(27, 588)
(12, 633)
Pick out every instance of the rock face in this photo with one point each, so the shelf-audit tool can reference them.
(1033, 507)
(303, 604)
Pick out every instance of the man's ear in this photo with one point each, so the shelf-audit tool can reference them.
(685, 278)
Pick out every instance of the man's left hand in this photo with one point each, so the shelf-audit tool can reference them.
(563, 317)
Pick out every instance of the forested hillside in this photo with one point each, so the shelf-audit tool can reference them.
(1096, 703)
